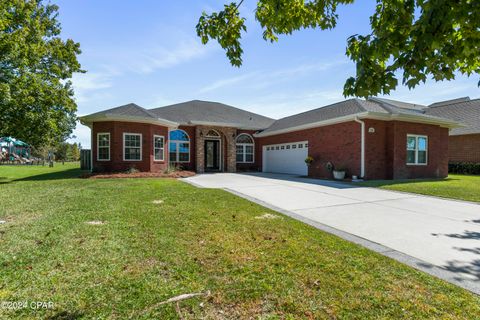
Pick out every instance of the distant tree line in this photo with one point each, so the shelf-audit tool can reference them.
(62, 151)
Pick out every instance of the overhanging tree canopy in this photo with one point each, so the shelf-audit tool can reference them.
(411, 39)
(36, 96)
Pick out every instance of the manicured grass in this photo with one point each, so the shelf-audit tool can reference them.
(196, 240)
(456, 186)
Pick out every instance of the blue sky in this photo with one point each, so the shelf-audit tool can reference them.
(147, 52)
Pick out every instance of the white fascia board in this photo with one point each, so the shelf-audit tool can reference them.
(221, 124)
(413, 118)
(365, 115)
(350, 117)
(86, 120)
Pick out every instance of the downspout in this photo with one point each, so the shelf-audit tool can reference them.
(362, 147)
(92, 143)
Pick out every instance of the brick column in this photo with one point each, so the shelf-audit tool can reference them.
(200, 149)
(230, 135)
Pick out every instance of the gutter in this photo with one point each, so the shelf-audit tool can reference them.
(362, 147)
(86, 120)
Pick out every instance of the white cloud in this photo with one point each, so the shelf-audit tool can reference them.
(151, 58)
(227, 82)
(265, 78)
(85, 84)
(82, 135)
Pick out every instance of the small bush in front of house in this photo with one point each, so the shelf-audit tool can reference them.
(132, 170)
(172, 168)
(464, 168)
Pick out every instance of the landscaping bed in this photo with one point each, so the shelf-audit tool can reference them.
(119, 175)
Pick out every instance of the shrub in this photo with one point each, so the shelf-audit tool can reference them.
(172, 168)
(464, 168)
(132, 170)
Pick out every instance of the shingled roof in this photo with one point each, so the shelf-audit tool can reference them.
(129, 111)
(465, 111)
(205, 112)
(349, 109)
(198, 112)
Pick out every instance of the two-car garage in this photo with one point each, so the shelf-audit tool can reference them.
(286, 158)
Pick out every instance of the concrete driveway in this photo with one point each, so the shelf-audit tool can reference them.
(441, 237)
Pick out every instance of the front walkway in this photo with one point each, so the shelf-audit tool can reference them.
(438, 236)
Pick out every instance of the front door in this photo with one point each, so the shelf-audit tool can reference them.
(212, 155)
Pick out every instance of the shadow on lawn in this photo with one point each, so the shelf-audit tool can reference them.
(57, 175)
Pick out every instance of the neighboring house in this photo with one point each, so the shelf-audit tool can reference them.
(374, 139)
(464, 142)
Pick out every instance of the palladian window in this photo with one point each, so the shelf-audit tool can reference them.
(179, 146)
(245, 148)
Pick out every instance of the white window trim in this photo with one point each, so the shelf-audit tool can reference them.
(98, 145)
(244, 145)
(416, 136)
(163, 149)
(141, 150)
(177, 142)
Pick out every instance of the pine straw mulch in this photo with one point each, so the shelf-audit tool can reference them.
(120, 175)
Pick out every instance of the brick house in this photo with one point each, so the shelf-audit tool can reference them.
(373, 139)
(464, 142)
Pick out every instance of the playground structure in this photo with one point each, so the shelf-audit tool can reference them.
(14, 151)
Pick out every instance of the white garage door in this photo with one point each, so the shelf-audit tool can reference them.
(286, 158)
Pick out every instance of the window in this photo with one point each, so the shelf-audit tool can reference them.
(213, 134)
(417, 149)
(179, 146)
(245, 148)
(103, 146)
(158, 148)
(132, 147)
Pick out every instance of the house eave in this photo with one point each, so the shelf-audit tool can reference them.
(364, 115)
(220, 124)
(323, 123)
(89, 120)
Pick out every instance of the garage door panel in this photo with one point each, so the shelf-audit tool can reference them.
(286, 158)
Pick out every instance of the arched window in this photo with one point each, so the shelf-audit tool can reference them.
(179, 147)
(213, 134)
(245, 147)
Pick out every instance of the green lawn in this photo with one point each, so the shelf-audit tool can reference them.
(196, 240)
(456, 186)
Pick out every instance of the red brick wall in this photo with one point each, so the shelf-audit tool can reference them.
(116, 130)
(437, 161)
(464, 148)
(385, 149)
(338, 143)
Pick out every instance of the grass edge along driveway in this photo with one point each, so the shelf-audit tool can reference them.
(161, 237)
(456, 186)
